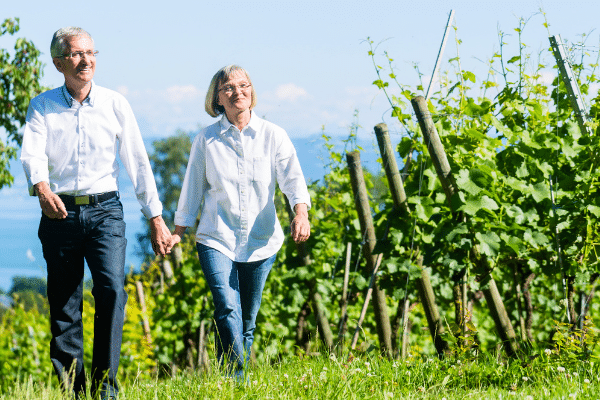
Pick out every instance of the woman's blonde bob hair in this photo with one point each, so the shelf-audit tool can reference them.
(210, 105)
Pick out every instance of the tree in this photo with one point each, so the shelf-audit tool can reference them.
(28, 283)
(169, 162)
(19, 83)
(30, 292)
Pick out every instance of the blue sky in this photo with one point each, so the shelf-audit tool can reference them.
(307, 59)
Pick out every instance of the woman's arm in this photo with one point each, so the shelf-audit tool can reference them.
(177, 234)
(300, 224)
(192, 191)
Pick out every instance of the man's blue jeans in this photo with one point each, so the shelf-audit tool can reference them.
(95, 233)
(237, 292)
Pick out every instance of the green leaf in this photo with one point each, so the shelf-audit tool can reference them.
(473, 205)
(405, 145)
(489, 243)
(480, 177)
(540, 191)
(464, 182)
(535, 238)
(468, 76)
(522, 171)
(512, 242)
(380, 84)
(460, 229)
(594, 210)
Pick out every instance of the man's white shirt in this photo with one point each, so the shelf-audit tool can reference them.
(74, 146)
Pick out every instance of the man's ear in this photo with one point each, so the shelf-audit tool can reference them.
(58, 64)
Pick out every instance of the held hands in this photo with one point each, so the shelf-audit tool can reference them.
(176, 236)
(160, 236)
(300, 225)
(52, 206)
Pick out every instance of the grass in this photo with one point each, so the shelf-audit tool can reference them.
(365, 377)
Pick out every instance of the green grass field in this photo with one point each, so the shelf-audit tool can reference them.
(364, 377)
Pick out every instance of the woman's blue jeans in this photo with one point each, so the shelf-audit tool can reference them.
(237, 292)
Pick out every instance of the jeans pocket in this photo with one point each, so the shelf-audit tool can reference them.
(112, 205)
(110, 212)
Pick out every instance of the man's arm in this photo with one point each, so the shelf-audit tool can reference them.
(135, 159)
(52, 205)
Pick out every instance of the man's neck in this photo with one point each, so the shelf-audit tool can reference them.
(79, 91)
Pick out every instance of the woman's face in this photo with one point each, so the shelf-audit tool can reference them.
(235, 95)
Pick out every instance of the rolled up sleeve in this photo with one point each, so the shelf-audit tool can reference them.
(194, 184)
(135, 159)
(289, 173)
(33, 151)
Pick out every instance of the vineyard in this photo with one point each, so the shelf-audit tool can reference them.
(483, 241)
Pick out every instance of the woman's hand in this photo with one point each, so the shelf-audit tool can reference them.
(300, 225)
(176, 236)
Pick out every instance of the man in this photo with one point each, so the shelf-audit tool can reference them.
(70, 144)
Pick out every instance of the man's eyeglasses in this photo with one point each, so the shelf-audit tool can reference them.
(229, 89)
(79, 54)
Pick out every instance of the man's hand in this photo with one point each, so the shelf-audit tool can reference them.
(300, 225)
(160, 236)
(52, 206)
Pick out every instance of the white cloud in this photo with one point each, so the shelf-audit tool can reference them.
(30, 256)
(123, 90)
(178, 94)
(160, 112)
(290, 92)
(594, 89)
(369, 91)
(546, 77)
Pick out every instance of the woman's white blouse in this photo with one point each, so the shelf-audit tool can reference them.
(231, 178)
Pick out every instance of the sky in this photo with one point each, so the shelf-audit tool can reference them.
(307, 60)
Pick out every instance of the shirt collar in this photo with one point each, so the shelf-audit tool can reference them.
(252, 124)
(89, 99)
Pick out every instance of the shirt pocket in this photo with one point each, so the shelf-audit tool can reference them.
(261, 170)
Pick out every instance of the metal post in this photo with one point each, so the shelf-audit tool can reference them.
(577, 102)
(439, 57)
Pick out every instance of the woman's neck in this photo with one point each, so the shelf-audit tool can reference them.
(240, 120)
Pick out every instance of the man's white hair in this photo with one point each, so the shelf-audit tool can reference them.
(58, 46)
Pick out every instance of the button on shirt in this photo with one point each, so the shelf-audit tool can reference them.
(74, 146)
(232, 175)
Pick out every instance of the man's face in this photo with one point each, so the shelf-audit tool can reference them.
(78, 69)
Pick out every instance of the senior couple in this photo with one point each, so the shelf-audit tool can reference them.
(70, 144)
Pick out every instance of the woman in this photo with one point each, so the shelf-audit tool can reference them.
(230, 178)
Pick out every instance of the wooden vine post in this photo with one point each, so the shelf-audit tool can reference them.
(203, 363)
(440, 161)
(167, 269)
(344, 300)
(363, 208)
(315, 298)
(143, 311)
(442, 167)
(436, 326)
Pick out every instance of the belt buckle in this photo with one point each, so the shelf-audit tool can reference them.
(82, 200)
